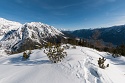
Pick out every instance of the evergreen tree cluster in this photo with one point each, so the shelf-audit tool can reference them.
(97, 44)
(119, 51)
(55, 53)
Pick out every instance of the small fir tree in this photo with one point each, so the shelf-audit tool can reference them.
(25, 55)
(55, 53)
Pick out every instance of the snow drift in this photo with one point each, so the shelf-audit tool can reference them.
(80, 66)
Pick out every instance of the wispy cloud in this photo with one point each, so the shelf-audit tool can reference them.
(47, 6)
(70, 5)
(88, 3)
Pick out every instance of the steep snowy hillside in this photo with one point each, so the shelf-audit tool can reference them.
(80, 66)
(30, 36)
(6, 25)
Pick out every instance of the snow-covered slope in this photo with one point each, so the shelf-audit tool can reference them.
(6, 25)
(80, 66)
(30, 35)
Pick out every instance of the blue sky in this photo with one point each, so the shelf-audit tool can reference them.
(67, 14)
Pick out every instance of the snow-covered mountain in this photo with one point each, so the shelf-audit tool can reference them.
(6, 25)
(30, 36)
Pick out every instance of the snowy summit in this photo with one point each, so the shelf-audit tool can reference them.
(28, 35)
(6, 25)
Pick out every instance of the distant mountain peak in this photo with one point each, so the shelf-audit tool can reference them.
(6, 22)
(29, 35)
(6, 26)
(41, 28)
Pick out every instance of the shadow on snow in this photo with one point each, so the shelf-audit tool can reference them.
(18, 61)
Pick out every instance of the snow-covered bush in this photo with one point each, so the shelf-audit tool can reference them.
(7, 51)
(30, 52)
(55, 53)
(73, 47)
(101, 63)
(66, 47)
(26, 55)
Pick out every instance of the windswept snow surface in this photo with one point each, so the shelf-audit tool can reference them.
(80, 66)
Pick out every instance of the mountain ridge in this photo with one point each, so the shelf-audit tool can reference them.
(6, 25)
(114, 34)
(30, 36)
